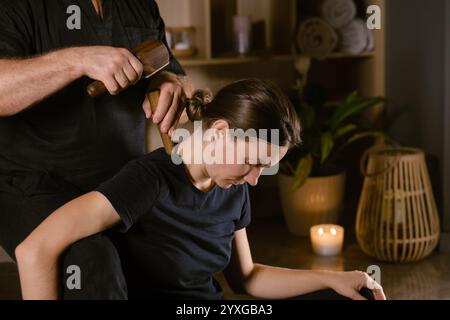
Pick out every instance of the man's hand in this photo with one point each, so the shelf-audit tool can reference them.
(173, 93)
(117, 68)
(350, 283)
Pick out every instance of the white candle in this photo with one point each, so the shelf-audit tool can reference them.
(327, 239)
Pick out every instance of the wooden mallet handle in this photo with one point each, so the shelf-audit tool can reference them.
(153, 97)
(96, 89)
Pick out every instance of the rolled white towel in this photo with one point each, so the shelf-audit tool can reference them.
(337, 13)
(316, 38)
(354, 37)
(370, 40)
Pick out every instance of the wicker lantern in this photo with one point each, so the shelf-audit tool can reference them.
(397, 219)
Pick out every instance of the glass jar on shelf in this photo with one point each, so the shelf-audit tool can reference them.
(181, 41)
(242, 33)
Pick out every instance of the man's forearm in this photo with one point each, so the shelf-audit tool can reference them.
(280, 283)
(24, 82)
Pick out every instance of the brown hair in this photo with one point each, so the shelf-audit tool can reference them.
(248, 104)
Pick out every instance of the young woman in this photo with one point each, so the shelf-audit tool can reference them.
(183, 223)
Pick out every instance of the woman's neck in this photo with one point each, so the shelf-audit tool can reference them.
(199, 178)
(196, 171)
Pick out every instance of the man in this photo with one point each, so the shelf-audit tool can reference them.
(56, 142)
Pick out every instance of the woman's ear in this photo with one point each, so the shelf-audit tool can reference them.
(220, 125)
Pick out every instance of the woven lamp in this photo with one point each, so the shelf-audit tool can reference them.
(397, 219)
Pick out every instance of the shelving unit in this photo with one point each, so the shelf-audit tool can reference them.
(343, 72)
(192, 13)
(275, 24)
(212, 20)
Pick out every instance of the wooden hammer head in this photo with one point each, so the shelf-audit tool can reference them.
(153, 55)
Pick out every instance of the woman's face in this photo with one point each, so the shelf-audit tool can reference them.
(240, 160)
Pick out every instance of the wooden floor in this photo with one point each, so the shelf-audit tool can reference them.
(9, 282)
(272, 244)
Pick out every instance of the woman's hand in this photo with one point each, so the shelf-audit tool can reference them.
(173, 93)
(350, 283)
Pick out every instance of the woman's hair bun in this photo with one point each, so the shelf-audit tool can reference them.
(198, 103)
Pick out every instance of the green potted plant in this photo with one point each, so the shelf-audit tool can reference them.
(312, 179)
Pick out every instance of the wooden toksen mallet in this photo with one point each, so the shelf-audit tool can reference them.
(153, 97)
(153, 55)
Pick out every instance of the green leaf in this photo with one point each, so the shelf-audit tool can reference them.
(351, 97)
(362, 135)
(344, 130)
(347, 110)
(326, 145)
(302, 172)
(307, 116)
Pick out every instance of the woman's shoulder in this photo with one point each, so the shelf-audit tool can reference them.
(157, 161)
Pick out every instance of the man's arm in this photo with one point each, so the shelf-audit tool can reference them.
(28, 81)
(269, 282)
(25, 82)
(37, 256)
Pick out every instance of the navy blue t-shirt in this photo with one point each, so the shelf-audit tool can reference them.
(176, 236)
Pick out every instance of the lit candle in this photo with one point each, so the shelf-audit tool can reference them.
(327, 239)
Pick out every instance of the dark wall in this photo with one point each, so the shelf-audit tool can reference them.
(415, 48)
(417, 57)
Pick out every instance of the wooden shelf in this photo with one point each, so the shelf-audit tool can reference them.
(233, 60)
(192, 62)
(345, 55)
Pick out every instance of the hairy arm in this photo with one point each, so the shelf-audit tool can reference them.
(24, 82)
(37, 256)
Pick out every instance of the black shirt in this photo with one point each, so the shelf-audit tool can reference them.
(70, 135)
(177, 236)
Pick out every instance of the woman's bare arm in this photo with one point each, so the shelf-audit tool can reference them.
(269, 282)
(37, 255)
